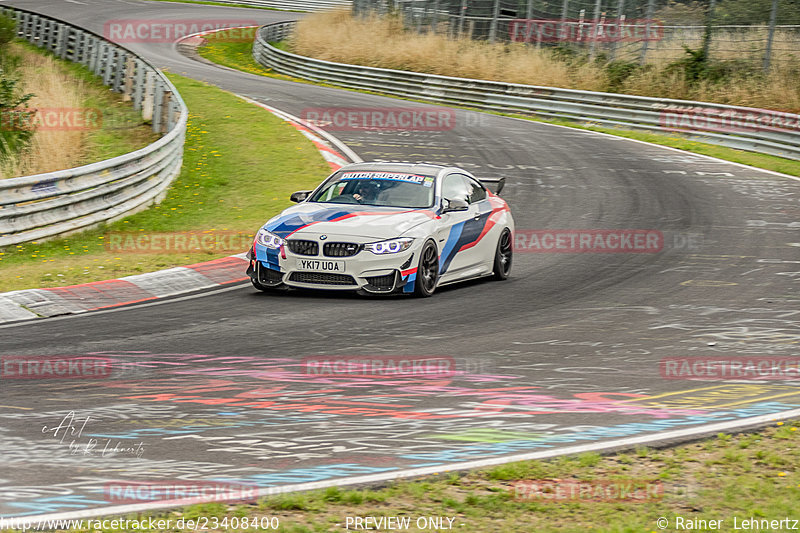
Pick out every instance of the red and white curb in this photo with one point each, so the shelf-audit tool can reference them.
(35, 303)
(324, 141)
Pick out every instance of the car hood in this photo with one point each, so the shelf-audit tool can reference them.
(346, 220)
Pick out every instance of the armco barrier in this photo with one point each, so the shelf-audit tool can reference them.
(291, 5)
(743, 128)
(57, 203)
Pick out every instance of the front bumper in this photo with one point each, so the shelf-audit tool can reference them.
(363, 271)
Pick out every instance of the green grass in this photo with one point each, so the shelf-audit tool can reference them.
(123, 129)
(238, 55)
(240, 166)
(737, 477)
(230, 53)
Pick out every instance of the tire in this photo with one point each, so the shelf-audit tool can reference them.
(427, 271)
(503, 256)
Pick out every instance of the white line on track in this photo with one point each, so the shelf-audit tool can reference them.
(628, 442)
(670, 148)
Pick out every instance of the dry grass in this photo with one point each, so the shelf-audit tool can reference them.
(780, 90)
(382, 42)
(54, 88)
(727, 43)
(337, 36)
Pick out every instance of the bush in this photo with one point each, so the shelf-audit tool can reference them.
(697, 67)
(619, 71)
(8, 30)
(13, 138)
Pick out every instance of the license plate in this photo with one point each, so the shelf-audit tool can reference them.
(320, 265)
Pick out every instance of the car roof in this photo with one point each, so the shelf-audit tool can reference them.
(411, 168)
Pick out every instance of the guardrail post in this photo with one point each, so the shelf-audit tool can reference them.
(81, 48)
(106, 63)
(138, 84)
(94, 55)
(158, 101)
(36, 30)
(166, 97)
(120, 71)
(44, 33)
(71, 44)
(174, 113)
(148, 95)
(25, 26)
(61, 41)
(113, 66)
(128, 77)
(49, 34)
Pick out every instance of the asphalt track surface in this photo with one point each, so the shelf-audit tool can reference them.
(569, 351)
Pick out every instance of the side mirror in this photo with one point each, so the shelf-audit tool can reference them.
(299, 196)
(455, 204)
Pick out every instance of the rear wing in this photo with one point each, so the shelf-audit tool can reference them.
(498, 182)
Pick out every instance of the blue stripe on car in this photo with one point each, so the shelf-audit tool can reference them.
(462, 234)
(287, 224)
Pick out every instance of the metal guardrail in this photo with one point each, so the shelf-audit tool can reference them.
(742, 128)
(291, 5)
(57, 203)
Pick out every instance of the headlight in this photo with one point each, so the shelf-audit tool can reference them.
(392, 246)
(270, 240)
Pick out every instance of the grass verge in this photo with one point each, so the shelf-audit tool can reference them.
(741, 477)
(240, 166)
(238, 55)
(68, 89)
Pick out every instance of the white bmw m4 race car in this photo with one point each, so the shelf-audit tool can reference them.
(386, 227)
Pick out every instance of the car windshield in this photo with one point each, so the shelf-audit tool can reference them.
(391, 189)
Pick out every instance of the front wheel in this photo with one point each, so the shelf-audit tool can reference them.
(503, 256)
(427, 270)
